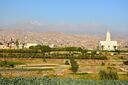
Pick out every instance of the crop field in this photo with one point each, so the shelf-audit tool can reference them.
(58, 81)
(36, 67)
(67, 69)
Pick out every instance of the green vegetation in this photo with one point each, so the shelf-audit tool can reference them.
(17, 43)
(68, 49)
(41, 48)
(19, 51)
(27, 69)
(9, 63)
(67, 62)
(36, 57)
(108, 75)
(125, 62)
(74, 65)
(58, 81)
(41, 51)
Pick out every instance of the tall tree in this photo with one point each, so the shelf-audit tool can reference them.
(102, 47)
(17, 43)
(74, 65)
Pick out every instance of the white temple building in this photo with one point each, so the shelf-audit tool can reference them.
(108, 44)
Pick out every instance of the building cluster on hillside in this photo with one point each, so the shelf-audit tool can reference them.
(108, 44)
(15, 44)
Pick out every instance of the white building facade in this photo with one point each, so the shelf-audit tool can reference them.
(30, 44)
(108, 44)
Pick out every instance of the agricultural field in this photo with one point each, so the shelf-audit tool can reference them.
(58, 81)
(62, 67)
(37, 67)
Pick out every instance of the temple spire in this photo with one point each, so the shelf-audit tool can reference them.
(108, 36)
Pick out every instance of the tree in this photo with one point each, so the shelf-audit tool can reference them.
(23, 45)
(1, 43)
(43, 48)
(115, 47)
(102, 47)
(17, 43)
(67, 62)
(74, 65)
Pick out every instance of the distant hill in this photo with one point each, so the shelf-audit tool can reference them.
(57, 38)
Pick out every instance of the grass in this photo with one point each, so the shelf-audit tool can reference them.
(26, 69)
(9, 63)
(93, 76)
(85, 67)
(123, 76)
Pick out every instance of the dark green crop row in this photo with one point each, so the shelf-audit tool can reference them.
(19, 51)
(59, 81)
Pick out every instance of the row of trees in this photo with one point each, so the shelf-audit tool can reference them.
(41, 48)
(41, 51)
(19, 51)
(44, 48)
(50, 56)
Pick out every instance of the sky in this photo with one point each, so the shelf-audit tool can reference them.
(73, 16)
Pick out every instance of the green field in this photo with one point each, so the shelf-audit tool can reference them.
(58, 81)
(53, 67)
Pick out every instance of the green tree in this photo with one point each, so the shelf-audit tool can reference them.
(67, 62)
(43, 48)
(17, 43)
(115, 47)
(74, 65)
(102, 47)
(23, 45)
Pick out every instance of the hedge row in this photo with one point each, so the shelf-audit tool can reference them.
(52, 56)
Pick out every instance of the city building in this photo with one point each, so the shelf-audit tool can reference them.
(108, 44)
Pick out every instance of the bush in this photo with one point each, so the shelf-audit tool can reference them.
(74, 65)
(44, 60)
(102, 64)
(110, 75)
(67, 62)
(125, 62)
(9, 64)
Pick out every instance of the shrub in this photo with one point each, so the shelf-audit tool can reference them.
(67, 62)
(110, 75)
(125, 62)
(44, 60)
(74, 65)
(102, 63)
(9, 64)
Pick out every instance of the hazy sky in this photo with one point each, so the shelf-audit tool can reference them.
(99, 14)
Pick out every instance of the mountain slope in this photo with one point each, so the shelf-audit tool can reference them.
(57, 38)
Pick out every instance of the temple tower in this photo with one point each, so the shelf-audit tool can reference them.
(108, 36)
